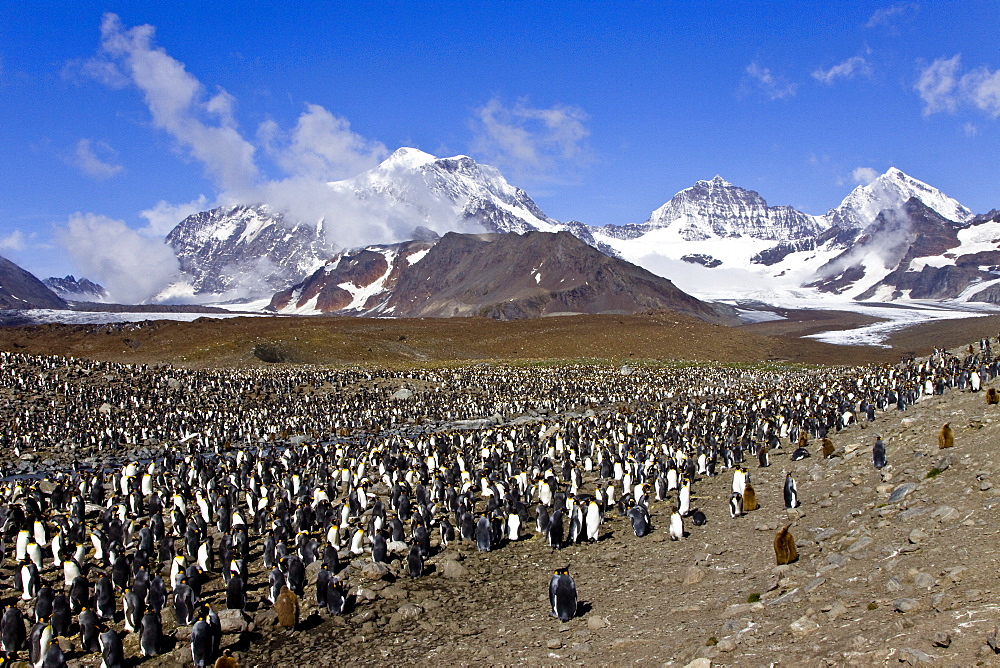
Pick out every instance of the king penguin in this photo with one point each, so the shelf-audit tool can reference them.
(791, 492)
(878, 453)
(562, 595)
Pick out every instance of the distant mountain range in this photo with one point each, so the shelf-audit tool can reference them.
(872, 246)
(895, 238)
(83, 289)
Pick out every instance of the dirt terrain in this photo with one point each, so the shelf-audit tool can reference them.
(240, 342)
(897, 565)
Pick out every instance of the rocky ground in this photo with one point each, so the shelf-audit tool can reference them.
(894, 566)
(898, 565)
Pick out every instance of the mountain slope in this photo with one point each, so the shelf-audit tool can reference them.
(21, 289)
(245, 251)
(83, 289)
(877, 230)
(504, 276)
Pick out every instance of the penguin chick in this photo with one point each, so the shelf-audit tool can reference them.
(287, 607)
(749, 499)
(828, 448)
(992, 397)
(562, 595)
(227, 660)
(784, 547)
(946, 437)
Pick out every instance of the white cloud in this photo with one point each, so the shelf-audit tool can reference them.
(13, 241)
(86, 159)
(203, 128)
(848, 69)
(887, 15)
(131, 267)
(942, 89)
(532, 142)
(864, 175)
(970, 129)
(937, 84)
(981, 87)
(321, 146)
(164, 216)
(776, 88)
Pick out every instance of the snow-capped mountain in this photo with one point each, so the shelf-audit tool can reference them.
(849, 251)
(718, 209)
(713, 239)
(69, 287)
(504, 276)
(891, 191)
(253, 251)
(446, 194)
(245, 251)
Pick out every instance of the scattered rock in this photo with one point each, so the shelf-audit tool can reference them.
(913, 656)
(906, 604)
(596, 623)
(452, 569)
(902, 492)
(940, 639)
(803, 626)
(693, 575)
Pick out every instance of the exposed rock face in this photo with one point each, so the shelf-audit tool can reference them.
(505, 276)
(20, 289)
(717, 208)
(249, 251)
(81, 290)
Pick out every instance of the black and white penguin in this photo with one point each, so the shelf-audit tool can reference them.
(555, 532)
(676, 526)
(335, 600)
(484, 534)
(791, 492)
(150, 633)
(698, 518)
(62, 617)
(90, 631)
(639, 517)
(380, 549)
(764, 456)
(236, 596)
(104, 598)
(735, 504)
(54, 657)
(13, 632)
(562, 595)
(202, 641)
(415, 561)
(878, 453)
(112, 651)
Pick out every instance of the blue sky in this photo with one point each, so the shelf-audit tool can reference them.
(116, 119)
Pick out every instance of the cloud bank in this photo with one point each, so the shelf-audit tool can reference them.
(533, 143)
(942, 87)
(130, 266)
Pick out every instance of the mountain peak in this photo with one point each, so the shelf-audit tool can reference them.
(408, 158)
(890, 191)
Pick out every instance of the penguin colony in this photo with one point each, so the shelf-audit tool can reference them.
(265, 474)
